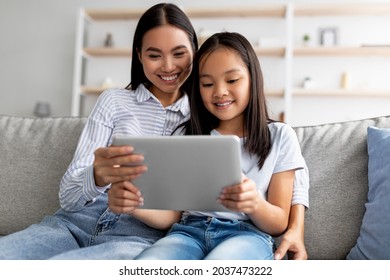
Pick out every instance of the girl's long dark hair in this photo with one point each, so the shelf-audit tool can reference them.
(258, 138)
(157, 15)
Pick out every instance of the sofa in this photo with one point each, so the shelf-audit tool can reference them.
(35, 152)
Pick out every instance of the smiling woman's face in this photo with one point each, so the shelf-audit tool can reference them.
(166, 56)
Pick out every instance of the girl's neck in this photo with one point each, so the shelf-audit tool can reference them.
(232, 126)
(231, 129)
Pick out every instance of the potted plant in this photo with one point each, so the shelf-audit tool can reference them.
(306, 39)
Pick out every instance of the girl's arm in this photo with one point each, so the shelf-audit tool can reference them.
(271, 215)
(159, 219)
(124, 197)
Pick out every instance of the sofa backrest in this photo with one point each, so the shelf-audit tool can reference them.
(336, 155)
(35, 153)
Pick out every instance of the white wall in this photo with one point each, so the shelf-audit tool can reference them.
(37, 53)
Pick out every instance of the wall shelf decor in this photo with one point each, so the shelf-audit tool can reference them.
(286, 55)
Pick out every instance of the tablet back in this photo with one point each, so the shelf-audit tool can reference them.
(185, 172)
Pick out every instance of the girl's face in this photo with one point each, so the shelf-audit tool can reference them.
(225, 88)
(166, 56)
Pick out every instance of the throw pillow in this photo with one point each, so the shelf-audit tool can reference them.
(374, 237)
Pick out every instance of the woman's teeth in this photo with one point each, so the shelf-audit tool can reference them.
(169, 78)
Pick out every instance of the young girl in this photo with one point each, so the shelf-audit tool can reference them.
(232, 101)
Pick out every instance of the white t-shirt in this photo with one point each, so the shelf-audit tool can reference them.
(285, 155)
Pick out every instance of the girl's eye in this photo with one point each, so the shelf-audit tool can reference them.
(206, 84)
(232, 81)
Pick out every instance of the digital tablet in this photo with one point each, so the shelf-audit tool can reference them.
(185, 172)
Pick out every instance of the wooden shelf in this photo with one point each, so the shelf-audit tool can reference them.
(127, 51)
(107, 51)
(275, 93)
(277, 51)
(353, 93)
(96, 90)
(114, 14)
(128, 14)
(341, 10)
(257, 11)
(342, 51)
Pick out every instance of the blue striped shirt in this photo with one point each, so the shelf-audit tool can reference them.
(117, 111)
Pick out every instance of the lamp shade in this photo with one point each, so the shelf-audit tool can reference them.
(42, 109)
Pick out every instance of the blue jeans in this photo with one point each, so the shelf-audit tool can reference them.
(196, 238)
(92, 233)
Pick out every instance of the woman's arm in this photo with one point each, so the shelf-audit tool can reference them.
(124, 197)
(292, 241)
(159, 219)
(77, 187)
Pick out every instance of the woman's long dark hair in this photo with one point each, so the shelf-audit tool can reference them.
(258, 139)
(158, 15)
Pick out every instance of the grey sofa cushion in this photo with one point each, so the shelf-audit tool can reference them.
(35, 153)
(337, 159)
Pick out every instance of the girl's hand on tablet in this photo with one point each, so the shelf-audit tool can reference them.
(124, 197)
(241, 197)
